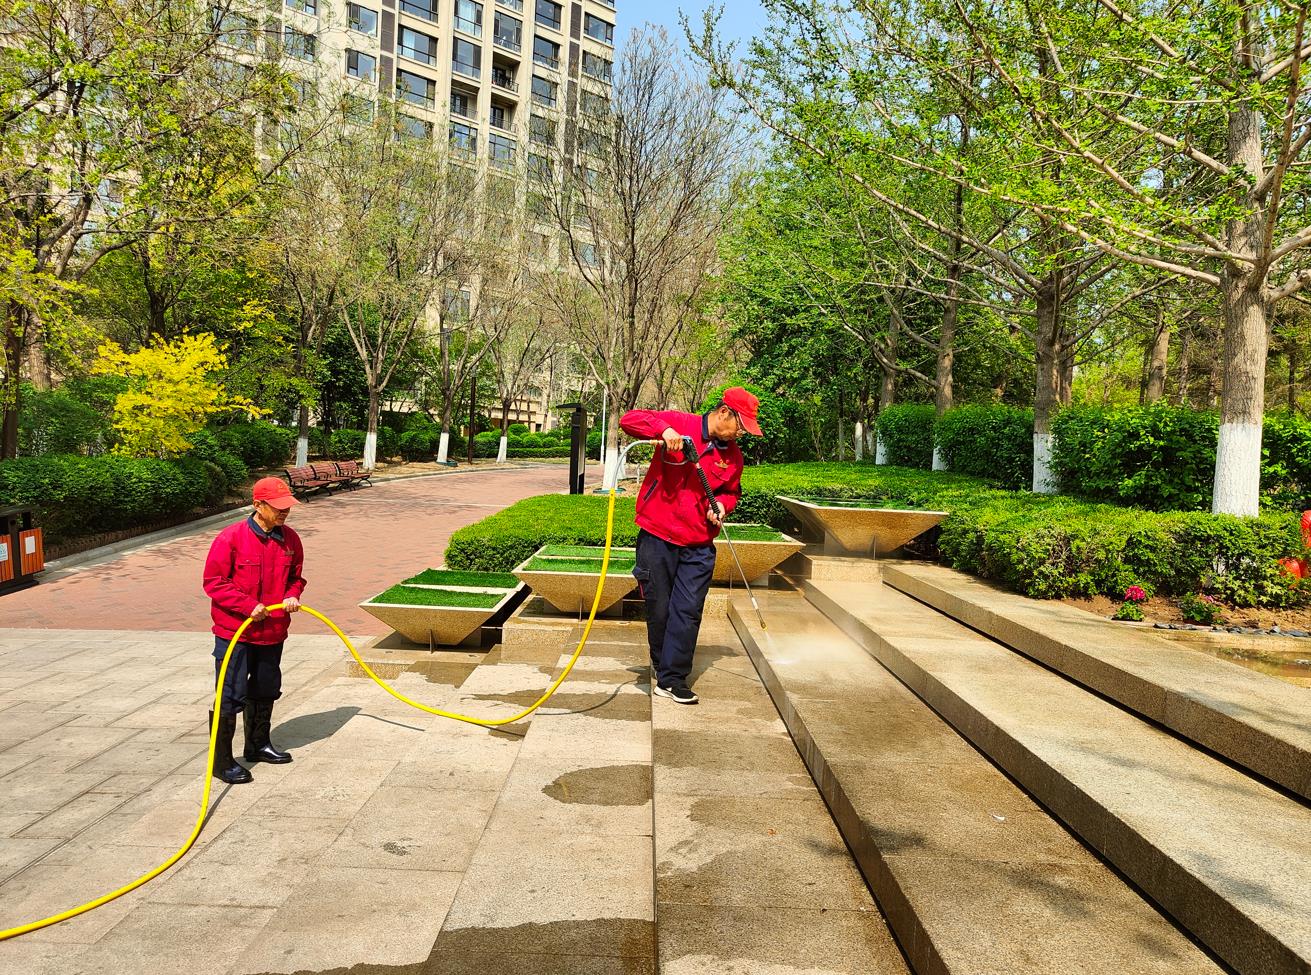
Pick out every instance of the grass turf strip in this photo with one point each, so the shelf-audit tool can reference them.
(409, 596)
(459, 577)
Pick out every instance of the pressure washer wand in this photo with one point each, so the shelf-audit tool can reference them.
(689, 449)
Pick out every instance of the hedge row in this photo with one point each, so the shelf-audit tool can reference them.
(1159, 457)
(78, 495)
(1041, 546)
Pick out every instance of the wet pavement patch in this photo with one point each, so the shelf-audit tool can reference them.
(613, 706)
(609, 785)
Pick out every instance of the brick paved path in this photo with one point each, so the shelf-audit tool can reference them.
(357, 543)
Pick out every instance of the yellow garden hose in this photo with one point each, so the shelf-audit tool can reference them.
(218, 701)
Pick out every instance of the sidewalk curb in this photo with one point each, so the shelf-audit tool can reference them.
(56, 569)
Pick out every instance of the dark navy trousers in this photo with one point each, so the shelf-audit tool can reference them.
(254, 672)
(674, 581)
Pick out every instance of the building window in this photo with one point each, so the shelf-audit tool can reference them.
(501, 150)
(420, 8)
(416, 46)
(464, 139)
(544, 91)
(234, 29)
(541, 130)
(502, 117)
(594, 104)
(413, 128)
(546, 52)
(507, 32)
(361, 65)
(356, 109)
(597, 143)
(462, 103)
(548, 14)
(540, 166)
(469, 16)
(587, 254)
(466, 58)
(416, 89)
(304, 6)
(503, 78)
(595, 66)
(512, 4)
(298, 44)
(362, 20)
(599, 30)
(456, 305)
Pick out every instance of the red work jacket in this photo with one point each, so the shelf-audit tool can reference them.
(672, 504)
(245, 568)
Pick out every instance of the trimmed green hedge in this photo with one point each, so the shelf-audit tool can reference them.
(1041, 546)
(907, 435)
(259, 445)
(79, 495)
(500, 542)
(992, 442)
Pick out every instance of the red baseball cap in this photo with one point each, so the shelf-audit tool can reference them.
(275, 492)
(745, 406)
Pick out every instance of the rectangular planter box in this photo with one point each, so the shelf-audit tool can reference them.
(437, 625)
(848, 528)
(758, 558)
(572, 590)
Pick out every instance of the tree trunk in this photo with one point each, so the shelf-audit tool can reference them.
(943, 392)
(1238, 453)
(15, 322)
(503, 449)
(371, 429)
(1294, 354)
(444, 442)
(1184, 369)
(1046, 391)
(1154, 387)
(473, 413)
(303, 436)
(887, 393)
(611, 472)
(842, 434)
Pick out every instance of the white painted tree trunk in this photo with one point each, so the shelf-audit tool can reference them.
(880, 451)
(939, 462)
(302, 451)
(370, 449)
(443, 446)
(1044, 481)
(860, 441)
(1238, 470)
(503, 449)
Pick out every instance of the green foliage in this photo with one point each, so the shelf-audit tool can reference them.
(348, 444)
(517, 429)
(412, 596)
(1129, 612)
(80, 495)
(205, 446)
(1159, 457)
(585, 566)
(451, 577)
(261, 445)
(73, 419)
(992, 442)
(1286, 461)
(907, 435)
(1201, 609)
(781, 424)
(500, 542)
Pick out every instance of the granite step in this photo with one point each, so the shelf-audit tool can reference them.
(970, 872)
(1251, 719)
(1223, 853)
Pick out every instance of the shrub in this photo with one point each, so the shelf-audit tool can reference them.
(1158, 457)
(1201, 609)
(781, 422)
(59, 421)
(1130, 612)
(260, 445)
(1286, 461)
(420, 444)
(517, 429)
(79, 495)
(907, 435)
(993, 442)
(500, 542)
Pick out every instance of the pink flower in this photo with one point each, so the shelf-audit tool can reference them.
(1135, 594)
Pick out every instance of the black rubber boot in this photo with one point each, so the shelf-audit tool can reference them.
(258, 720)
(225, 766)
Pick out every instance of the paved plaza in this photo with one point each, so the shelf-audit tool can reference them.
(398, 842)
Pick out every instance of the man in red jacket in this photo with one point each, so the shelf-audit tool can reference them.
(675, 546)
(253, 564)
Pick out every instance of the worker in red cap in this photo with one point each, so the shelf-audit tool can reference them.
(678, 524)
(252, 565)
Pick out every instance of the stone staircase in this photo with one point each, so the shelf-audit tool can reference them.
(1027, 788)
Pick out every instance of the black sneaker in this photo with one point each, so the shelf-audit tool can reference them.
(681, 694)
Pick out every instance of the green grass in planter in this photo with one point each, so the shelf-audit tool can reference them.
(585, 552)
(456, 577)
(877, 504)
(590, 566)
(409, 596)
(753, 533)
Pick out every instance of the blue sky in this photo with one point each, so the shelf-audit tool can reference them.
(741, 20)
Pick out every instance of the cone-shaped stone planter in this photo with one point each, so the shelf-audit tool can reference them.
(434, 615)
(569, 583)
(848, 527)
(760, 549)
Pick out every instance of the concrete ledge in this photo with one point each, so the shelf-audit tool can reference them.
(1254, 720)
(971, 874)
(1227, 856)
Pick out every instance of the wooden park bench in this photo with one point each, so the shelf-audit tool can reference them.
(306, 480)
(353, 474)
